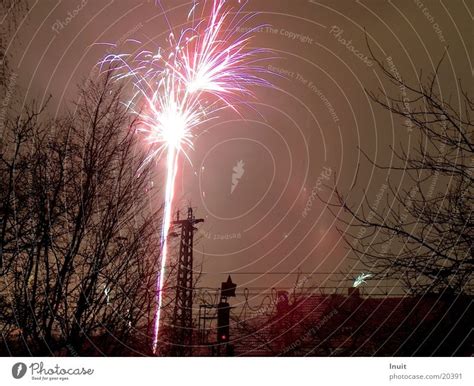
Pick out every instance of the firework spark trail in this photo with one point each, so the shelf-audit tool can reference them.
(180, 88)
(172, 165)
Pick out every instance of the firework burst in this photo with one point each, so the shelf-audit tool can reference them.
(208, 68)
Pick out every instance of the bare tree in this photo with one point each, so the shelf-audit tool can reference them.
(423, 232)
(79, 229)
(12, 11)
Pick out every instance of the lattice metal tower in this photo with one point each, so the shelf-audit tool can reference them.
(183, 309)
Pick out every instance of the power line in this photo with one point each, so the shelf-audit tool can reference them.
(277, 273)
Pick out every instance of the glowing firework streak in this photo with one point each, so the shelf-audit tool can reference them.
(172, 166)
(168, 121)
(361, 279)
(180, 88)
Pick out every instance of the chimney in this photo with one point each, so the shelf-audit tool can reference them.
(282, 301)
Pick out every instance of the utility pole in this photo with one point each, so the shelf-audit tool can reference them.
(183, 309)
